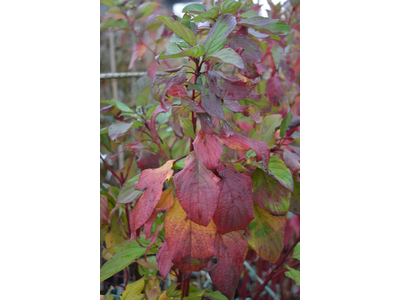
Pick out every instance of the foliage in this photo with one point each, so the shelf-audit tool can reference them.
(224, 123)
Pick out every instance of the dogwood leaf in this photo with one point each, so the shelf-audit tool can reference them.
(208, 149)
(230, 250)
(226, 56)
(234, 210)
(191, 245)
(197, 191)
(181, 30)
(151, 182)
(218, 34)
(267, 233)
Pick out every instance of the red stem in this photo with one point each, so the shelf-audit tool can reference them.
(108, 167)
(114, 284)
(126, 276)
(194, 119)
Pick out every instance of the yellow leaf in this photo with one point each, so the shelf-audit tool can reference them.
(133, 289)
(153, 282)
(164, 296)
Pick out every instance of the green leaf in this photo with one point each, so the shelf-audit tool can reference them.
(296, 251)
(218, 34)
(266, 234)
(293, 274)
(229, 6)
(104, 130)
(248, 14)
(181, 30)
(187, 127)
(146, 9)
(133, 289)
(281, 172)
(285, 124)
(277, 54)
(121, 106)
(210, 14)
(128, 193)
(216, 296)
(227, 56)
(121, 259)
(195, 52)
(107, 24)
(267, 129)
(272, 191)
(179, 165)
(194, 8)
(266, 25)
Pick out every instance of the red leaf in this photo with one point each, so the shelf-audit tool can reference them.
(250, 56)
(162, 85)
(138, 51)
(229, 88)
(177, 91)
(289, 73)
(164, 260)
(191, 245)
(239, 142)
(230, 250)
(149, 223)
(192, 105)
(211, 103)
(197, 191)
(273, 90)
(208, 149)
(248, 110)
(147, 160)
(235, 204)
(151, 182)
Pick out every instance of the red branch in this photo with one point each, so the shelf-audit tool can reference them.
(109, 169)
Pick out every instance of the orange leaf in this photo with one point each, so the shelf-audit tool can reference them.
(191, 245)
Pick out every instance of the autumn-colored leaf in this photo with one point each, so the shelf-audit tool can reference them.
(230, 250)
(234, 210)
(191, 245)
(164, 260)
(211, 102)
(166, 201)
(272, 191)
(248, 111)
(267, 234)
(273, 89)
(151, 182)
(147, 160)
(197, 191)
(250, 56)
(139, 49)
(208, 149)
(239, 142)
(233, 88)
(162, 85)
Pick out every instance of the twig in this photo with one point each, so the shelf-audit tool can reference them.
(109, 169)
